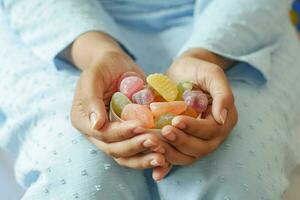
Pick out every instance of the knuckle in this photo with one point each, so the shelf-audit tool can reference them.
(230, 98)
(145, 164)
(191, 161)
(100, 136)
(120, 161)
(215, 69)
(212, 146)
(198, 154)
(109, 151)
(151, 137)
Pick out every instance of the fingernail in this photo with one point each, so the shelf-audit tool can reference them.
(154, 162)
(149, 143)
(223, 116)
(156, 177)
(139, 130)
(93, 119)
(179, 124)
(159, 149)
(171, 136)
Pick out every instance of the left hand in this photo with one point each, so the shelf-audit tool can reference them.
(199, 137)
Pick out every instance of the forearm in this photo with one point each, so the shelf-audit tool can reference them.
(88, 48)
(208, 56)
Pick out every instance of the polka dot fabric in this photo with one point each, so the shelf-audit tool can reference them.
(55, 161)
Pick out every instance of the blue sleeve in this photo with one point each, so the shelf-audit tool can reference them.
(48, 26)
(244, 30)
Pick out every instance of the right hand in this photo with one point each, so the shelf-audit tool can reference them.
(124, 141)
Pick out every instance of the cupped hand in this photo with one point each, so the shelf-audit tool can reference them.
(126, 141)
(201, 136)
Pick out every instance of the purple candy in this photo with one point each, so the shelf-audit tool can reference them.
(143, 97)
(196, 99)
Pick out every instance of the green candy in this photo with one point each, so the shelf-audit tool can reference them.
(163, 120)
(182, 87)
(118, 102)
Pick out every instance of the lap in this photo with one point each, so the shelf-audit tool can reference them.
(250, 164)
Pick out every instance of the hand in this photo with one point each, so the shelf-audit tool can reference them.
(199, 137)
(124, 141)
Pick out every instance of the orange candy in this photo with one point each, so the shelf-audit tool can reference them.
(174, 107)
(138, 112)
(190, 112)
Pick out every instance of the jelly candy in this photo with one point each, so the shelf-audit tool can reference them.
(130, 85)
(143, 97)
(174, 107)
(182, 87)
(196, 99)
(190, 112)
(138, 112)
(118, 102)
(163, 85)
(163, 120)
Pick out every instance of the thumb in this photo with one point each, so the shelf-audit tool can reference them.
(221, 93)
(97, 113)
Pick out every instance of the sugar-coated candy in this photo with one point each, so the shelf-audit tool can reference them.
(163, 85)
(130, 85)
(182, 87)
(118, 102)
(196, 99)
(174, 107)
(143, 97)
(138, 112)
(163, 120)
(190, 112)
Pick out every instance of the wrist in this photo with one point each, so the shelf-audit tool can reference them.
(208, 56)
(89, 48)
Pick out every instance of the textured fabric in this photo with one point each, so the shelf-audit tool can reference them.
(54, 161)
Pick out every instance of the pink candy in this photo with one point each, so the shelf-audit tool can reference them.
(143, 97)
(130, 85)
(196, 99)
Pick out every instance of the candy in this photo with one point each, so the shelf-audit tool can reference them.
(143, 97)
(130, 85)
(163, 120)
(182, 87)
(138, 112)
(190, 112)
(196, 99)
(163, 85)
(118, 102)
(174, 107)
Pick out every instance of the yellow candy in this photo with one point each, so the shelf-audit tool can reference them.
(163, 85)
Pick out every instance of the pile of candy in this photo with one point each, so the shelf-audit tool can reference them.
(156, 103)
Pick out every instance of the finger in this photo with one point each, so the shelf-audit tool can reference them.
(160, 172)
(129, 147)
(88, 109)
(176, 157)
(200, 128)
(187, 144)
(217, 85)
(118, 131)
(227, 127)
(142, 161)
(92, 90)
